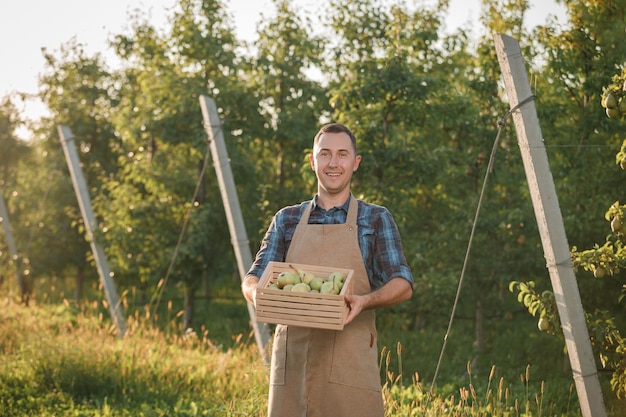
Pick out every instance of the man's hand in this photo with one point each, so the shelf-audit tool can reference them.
(356, 304)
(248, 288)
(395, 291)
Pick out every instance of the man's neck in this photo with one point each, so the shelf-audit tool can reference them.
(328, 201)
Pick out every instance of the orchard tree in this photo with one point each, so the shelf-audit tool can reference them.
(289, 102)
(607, 260)
(579, 136)
(163, 149)
(577, 102)
(78, 91)
(403, 95)
(11, 148)
(427, 109)
(384, 83)
(13, 153)
(506, 244)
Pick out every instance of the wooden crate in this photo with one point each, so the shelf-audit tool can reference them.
(321, 311)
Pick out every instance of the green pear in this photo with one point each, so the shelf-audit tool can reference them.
(288, 287)
(316, 283)
(301, 287)
(307, 277)
(329, 287)
(274, 286)
(301, 273)
(337, 277)
(286, 278)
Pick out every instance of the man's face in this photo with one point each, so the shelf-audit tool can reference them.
(334, 161)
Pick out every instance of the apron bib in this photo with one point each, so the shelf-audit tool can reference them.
(319, 372)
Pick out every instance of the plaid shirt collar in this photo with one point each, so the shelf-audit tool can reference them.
(343, 207)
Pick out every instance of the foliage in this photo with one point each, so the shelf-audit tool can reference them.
(426, 106)
(543, 304)
(163, 185)
(607, 262)
(290, 104)
(62, 358)
(582, 49)
(11, 149)
(79, 91)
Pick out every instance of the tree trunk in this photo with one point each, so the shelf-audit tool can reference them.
(26, 288)
(479, 344)
(480, 327)
(189, 304)
(206, 289)
(80, 281)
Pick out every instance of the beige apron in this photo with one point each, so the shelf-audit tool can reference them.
(327, 373)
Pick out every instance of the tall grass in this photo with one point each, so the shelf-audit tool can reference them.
(66, 360)
(496, 398)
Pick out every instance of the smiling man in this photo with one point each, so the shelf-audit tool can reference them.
(334, 160)
(318, 372)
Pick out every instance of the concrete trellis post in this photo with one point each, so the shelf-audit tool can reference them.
(550, 223)
(239, 237)
(84, 202)
(4, 219)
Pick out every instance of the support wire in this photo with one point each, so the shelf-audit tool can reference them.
(501, 124)
(183, 229)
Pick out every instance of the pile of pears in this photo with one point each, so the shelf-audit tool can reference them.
(304, 281)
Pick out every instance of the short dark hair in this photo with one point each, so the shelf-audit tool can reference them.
(335, 128)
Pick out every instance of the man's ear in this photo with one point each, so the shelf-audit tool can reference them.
(357, 162)
(312, 161)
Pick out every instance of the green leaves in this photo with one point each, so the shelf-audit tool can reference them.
(527, 296)
(538, 304)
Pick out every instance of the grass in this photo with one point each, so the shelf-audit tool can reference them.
(65, 360)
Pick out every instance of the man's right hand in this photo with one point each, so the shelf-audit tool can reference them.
(248, 288)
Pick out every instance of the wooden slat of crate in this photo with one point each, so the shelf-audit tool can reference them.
(326, 311)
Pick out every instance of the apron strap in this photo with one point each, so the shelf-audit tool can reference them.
(307, 212)
(353, 211)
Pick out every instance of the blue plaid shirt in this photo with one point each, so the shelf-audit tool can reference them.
(379, 239)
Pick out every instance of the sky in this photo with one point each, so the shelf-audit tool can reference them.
(27, 26)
